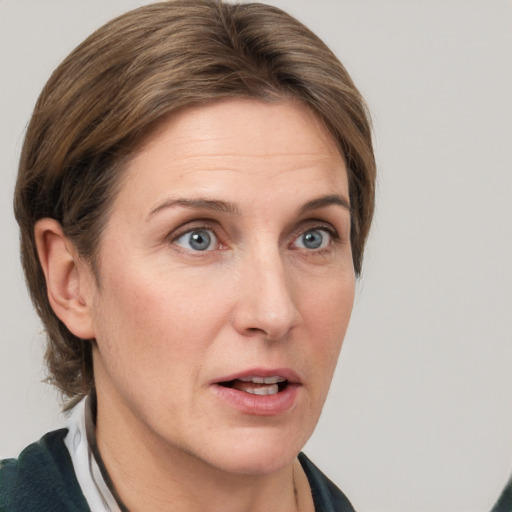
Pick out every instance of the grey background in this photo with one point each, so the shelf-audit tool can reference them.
(419, 418)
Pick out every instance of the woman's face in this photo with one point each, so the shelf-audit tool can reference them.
(226, 286)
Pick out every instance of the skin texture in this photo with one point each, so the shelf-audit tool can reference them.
(170, 321)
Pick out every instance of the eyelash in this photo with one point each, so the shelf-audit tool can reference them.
(316, 226)
(203, 226)
(311, 225)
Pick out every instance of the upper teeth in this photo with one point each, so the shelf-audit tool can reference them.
(262, 380)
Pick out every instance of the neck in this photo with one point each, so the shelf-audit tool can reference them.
(150, 474)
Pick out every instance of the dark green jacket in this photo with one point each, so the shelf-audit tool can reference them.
(42, 479)
(504, 503)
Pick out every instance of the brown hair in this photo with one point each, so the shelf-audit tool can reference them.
(130, 73)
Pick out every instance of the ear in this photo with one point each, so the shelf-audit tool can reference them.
(69, 282)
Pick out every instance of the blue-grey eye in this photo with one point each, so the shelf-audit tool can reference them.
(314, 239)
(198, 240)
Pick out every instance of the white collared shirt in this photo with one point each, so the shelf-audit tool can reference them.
(88, 473)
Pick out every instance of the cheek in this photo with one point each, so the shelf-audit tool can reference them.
(148, 320)
(144, 344)
(328, 315)
(330, 304)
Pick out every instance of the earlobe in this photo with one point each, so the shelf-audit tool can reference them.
(68, 283)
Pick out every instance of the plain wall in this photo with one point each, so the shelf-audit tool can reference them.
(419, 418)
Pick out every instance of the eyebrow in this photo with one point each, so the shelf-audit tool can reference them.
(196, 204)
(322, 202)
(232, 209)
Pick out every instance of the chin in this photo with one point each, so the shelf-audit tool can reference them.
(245, 462)
(260, 452)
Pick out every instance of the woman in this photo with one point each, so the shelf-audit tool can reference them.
(194, 194)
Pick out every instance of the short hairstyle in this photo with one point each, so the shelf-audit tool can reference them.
(136, 69)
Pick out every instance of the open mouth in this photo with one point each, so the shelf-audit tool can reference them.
(257, 385)
(260, 391)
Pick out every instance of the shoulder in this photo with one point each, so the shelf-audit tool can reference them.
(326, 495)
(41, 479)
(504, 503)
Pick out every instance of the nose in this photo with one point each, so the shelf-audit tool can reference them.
(265, 304)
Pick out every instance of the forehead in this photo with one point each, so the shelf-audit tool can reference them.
(234, 144)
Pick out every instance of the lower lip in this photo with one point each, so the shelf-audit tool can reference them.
(259, 405)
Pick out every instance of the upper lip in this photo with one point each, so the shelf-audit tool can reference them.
(285, 373)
